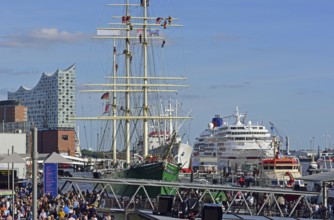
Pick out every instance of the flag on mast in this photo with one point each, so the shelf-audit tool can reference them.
(105, 96)
(106, 110)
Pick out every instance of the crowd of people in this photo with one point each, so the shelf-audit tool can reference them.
(70, 206)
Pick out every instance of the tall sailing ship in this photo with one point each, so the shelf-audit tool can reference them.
(232, 147)
(134, 93)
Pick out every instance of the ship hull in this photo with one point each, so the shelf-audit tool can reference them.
(151, 171)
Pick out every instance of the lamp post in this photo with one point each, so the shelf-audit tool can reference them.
(8, 183)
(34, 173)
(13, 191)
(326, 139)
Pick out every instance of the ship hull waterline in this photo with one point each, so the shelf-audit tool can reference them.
(151, 171)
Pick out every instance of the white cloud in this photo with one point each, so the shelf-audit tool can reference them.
(53, 34)
(40, 38)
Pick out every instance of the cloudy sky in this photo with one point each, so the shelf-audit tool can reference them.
(273, 59)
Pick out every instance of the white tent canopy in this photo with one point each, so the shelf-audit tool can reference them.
(57, 158)
(12, 158)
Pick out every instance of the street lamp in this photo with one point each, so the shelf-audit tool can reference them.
(326, 136)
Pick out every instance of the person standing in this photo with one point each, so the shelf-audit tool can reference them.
(107, 216)
(9, 217)
(42, 215)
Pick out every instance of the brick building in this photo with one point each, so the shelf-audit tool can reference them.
(12, 111)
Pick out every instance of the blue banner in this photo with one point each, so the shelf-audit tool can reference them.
(51, 178)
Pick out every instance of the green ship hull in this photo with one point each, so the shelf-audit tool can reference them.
(163, 171)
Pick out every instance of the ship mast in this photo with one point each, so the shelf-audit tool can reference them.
(127, 93)
(145, 102)
(124, 31)
(114, 112)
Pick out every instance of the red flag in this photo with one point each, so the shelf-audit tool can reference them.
(106, 110)
(105, 96)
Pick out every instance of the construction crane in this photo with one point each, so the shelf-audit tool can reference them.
(283, 139)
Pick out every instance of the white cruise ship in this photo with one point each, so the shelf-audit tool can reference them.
(234, 146)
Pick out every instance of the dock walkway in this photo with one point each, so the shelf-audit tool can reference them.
(267, 205)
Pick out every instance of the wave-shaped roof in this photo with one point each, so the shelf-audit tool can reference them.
(44, 75)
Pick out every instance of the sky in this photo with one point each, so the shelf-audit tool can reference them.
(272, 59)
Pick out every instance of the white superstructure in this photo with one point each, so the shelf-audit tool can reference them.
(232, 146)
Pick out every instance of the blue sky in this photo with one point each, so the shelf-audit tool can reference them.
(273, 59)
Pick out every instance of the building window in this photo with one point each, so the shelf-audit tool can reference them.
(64, 137)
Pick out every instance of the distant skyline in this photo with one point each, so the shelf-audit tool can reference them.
(273, 59)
